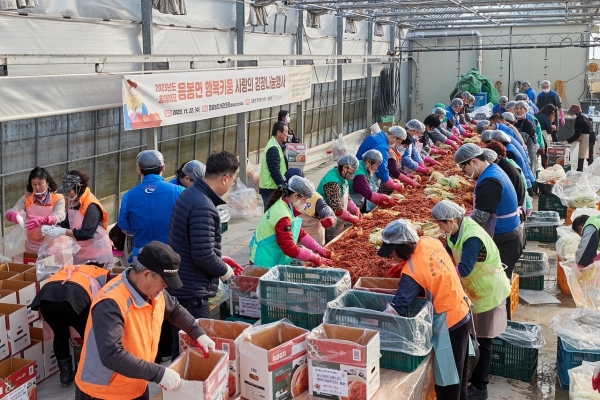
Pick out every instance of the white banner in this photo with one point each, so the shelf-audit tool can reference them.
(173, 98)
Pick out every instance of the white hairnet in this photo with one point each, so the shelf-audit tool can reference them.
(467, 152)
(399, 231)
(397, 131)
(456, 102)
(525, 83)
(503, 99)
(510, 117)
(445, 210)
(520, 96)
(545, 83)
(194, 170)
(522, 103)
(499, 136)
(510, 104)
(373, 155)
(350, 160)
(302, 186)
(483, 123)
(486, 135)
(465, 94)
(415, 125)
(439, 111)
(490, 155)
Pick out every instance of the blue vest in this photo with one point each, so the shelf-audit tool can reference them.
(508, 202)
(524, 166)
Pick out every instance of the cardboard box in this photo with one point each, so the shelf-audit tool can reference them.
(35, 353)
(273, 362)
(202, 378)
(17, 329)
(7, 296)
(243, 300)
(224, 334)
(343, 362)
(20, 268)
(116, 271)
(25, 258)
(4, 347)
(17, 379)
(33, 277)
(26, 292)
(377, 285)
(296, 154)
(7, 275)
(50, 364)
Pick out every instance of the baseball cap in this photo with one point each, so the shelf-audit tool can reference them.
(150, 159)
(69, 182)
(161, 259)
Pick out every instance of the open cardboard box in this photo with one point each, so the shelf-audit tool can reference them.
(202, 378)
(17, 379)
(17, 329)
(25, 258)
(243, 300)
(20, 268)
(50, 365)
(343, 362)
(6, 275)
(26, 292)
(377, 285)
(273, 362)
(35, 352)
(7, 296)
(224, 334)
(33, 277)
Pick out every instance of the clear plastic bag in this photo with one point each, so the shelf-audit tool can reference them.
(543, 218)
(46, 267)
(578, 328)
(554, 172)
(221, 296)
(242, 203)
(61, 247)
(486, 109)
(253, 175)
(567, 243)
(523, 335)
(590, 212)
(580, 382)
(577, 190)
(583, 283)
(361, 309)
(338, 149)
(13, 241)
(532, 263)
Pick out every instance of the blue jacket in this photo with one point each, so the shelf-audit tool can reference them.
(534, 108)
(548, 98)
(498, 110)
(378, 141)
(531, 94)
(526, 168)
(506, 129)
(195, 235)
(411, 157)
(146, 211)
(175, 181)
(508, 201)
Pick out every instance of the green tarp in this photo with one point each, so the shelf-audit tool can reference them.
(474, 83)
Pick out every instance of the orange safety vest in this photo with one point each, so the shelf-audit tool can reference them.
(431, 267)
(141, 333)
(82, 275)
(88, 198)
(30, 199)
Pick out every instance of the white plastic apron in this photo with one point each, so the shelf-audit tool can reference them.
(96, 249)
(34, 236)
(313, 227)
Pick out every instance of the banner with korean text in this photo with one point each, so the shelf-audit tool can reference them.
(153, 100)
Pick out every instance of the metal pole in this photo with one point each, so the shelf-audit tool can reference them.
(300, 32)
(370, 76)
(147, 40)
(300, 108)
(240, 24)
(392, 64)
(340, 78)
(242, 118)
(152, 139)
(409, 83)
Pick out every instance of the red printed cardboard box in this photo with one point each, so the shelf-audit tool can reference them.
(343, 362)
(202, 378)
(273, 362)
(25, 258)
(296, 154)
(17, 328)
(224, 334)
(243, 300)
(17, 379)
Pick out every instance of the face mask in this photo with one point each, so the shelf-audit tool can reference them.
(299, 205)
(349, 176)
(400, 148)
(287, 119)
(42, 194)
(546, 90)
(450, 231)
(475, 169)
(72, 198)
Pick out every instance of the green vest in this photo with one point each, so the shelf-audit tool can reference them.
(264, 250)
(362, 170)
(595, 221)
(333, 176)
(487, 285)
(538, 132)
(266, 181)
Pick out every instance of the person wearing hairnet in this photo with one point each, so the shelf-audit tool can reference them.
(528, 90)
(440, 112)
(531, 107)
(527, 127)
(317, 216)
(511, 120)
(432, 128)
(335, 190)
(548, 96)
(407, 149)
(482, 275)
(499, 122)
(588, 228)
(275, 241)
(365, 188)
(499, 108)
(416, 130)
(425, 269)
(512, 152)
(188, 173)
(382, 142)
(394, 164)
(495, 205)
(454, 113)
(546, 118)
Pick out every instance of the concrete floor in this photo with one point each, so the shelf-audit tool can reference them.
(544, 385)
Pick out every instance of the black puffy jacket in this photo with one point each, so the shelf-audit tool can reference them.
(195, 235)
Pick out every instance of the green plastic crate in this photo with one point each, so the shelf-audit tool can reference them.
(531, 261)
(541, 226)
(550, 202)
(300, 294)
(250, 321)
(357, 311)
(224, 227)
(387, 118)
(512, 361)
(532, 283)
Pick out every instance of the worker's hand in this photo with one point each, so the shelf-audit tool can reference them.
(318, 261)
(596, 378)
(562, 119)
(408, 180)
(328, 222)
(430, 160)
(422, 169)
(451, 143)
(394, 185)
(36, 222)
(237, 268)
(455, 138)
(325, 252)
(12, 216)
(228, 274)
(53, 231)
(206, 344)
(170, 380)
(553, 127)
(353, 208)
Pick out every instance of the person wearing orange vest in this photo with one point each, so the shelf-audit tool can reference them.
(87, 221)
(65, 302)
(42, 206)
(123, 329)
(427, 270)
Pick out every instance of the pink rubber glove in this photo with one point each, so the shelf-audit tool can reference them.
(562, 118)
(12, 216)
(353, 208)
(383, 200)
(430, 161)
(596, 378)
(346, 216)
(456, 139)
(35, 222)
(436, 150)
(305, 254)
(466, 134)
(409, 181)
(422, 170)
(451, 144)
(328, 222)
(394, 185)
(310, 243)
(318, 260)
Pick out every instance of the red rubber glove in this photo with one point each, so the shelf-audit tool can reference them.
(422, 170)
(409, 181)
(430, 161)
(452, 144)
(456, 139)
(383, 200)
(237, 268)
(328, 222)
(596, 378)
(353, 208)
(346, 216)
(396, 186)
(318, 260)
(12, 216)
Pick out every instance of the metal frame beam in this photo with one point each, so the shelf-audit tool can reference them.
(486, 10)
(500, 17)
(531, 21)
(242, 118)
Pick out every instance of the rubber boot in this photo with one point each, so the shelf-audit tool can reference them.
(580, 162)
(67, 375)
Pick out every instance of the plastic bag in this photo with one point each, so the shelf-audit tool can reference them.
(580, 382)
(487, 110)
(242, 203)
(567, 243)
(14, 239)
(523, 335)
(543, 218)
(221, 296)
(554, 172)
(577, 190)
(594, 168)
(61, 247)
(46, 267)
(584, 283)
(532, 263)
(361, 309)
(253, 175)
(338, 149)
(590, 212)
(326, 336)
(578, 328)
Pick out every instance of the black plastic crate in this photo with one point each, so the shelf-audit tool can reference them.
(550, 202)
(512, 361)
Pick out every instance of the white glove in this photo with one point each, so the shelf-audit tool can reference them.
(206, 344)
(170, 380)
(228, 274)
(53, 231)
